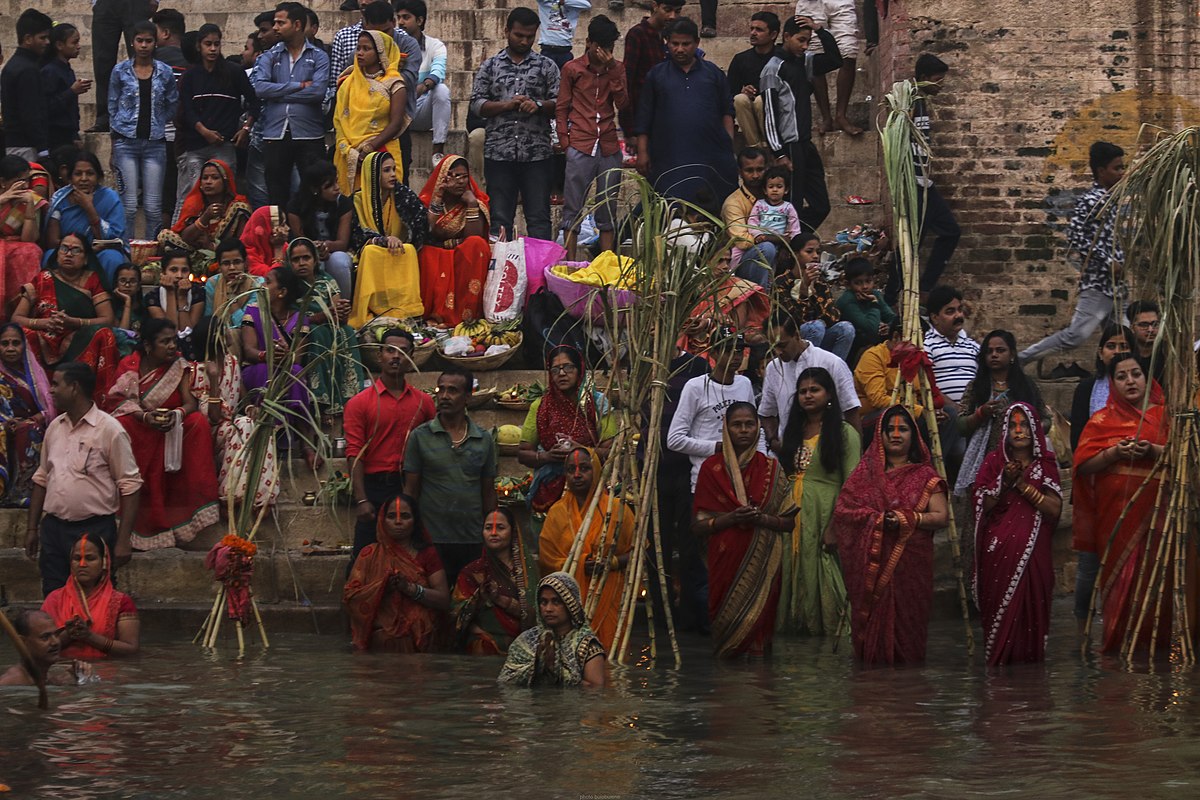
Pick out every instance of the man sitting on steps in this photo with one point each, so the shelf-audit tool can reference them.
(432, 93)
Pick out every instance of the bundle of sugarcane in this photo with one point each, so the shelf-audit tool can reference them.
(673, 282)
(274, 417)
(1157, 220)
(901, 139)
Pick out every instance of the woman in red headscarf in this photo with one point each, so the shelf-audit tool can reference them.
(742, 505)
(1115, 489)
(883, 527)
(454, 260)
(212, 212)
(99, 620)
(20, 225)
(1017, 503)
(397, 595)
(491, 597)
(569, 415)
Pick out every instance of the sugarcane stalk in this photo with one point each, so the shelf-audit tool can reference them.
(241, 638)
(26, 660)
(262, 629)
(216, 607)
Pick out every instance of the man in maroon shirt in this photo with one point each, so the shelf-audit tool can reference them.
(590, 93)
(377, 422)
(645, 46)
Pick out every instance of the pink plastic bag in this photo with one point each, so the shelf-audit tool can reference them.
(539, 256)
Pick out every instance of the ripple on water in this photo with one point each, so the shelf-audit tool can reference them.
(308, 719)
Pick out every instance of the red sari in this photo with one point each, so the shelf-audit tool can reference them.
(889, 574)
(382, 618)
(1014, 563)
(103, 607)
(174, 505)
(19, 261)
(1103, 498)
(94, 345)
(557, 414)
(260, 252)
(454, 270)
(473, 608)
(744, 562)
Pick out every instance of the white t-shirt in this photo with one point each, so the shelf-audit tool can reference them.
(779, 383)
(700, 417)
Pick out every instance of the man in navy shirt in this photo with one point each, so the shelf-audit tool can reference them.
(290, 79)
(684, 123)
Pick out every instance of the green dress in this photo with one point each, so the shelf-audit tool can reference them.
(335, 368)
(813, 593)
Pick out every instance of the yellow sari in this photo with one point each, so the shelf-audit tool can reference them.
(600, 541)
(387, 284)
(363, 109)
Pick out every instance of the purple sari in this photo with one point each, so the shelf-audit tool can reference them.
(257, 376)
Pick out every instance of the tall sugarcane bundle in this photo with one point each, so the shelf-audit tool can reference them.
(901, 140)
(1157, 221)
(274, 418)
(672, 282)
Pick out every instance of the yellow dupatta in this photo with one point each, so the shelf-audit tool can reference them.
(363, 109)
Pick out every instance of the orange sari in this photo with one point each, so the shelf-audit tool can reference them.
(102, 608)
(601, 541)
(382, 618)
(1114, 510)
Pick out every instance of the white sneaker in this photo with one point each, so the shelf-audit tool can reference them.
(437, 157)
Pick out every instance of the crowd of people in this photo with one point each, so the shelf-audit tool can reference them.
(799, 496)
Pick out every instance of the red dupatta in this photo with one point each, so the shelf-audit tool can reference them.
(372, 602)
(194, 203)
(260, 252)
(100, 607)
(888, 602)
(560, 415)
(454, 218)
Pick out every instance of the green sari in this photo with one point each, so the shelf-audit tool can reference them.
(814, 595)
(338, 374)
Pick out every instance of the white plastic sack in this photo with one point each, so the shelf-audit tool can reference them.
(458, 346)
(504, 292)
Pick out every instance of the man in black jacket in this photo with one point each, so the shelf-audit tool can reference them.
(22, 101)
(743, 73)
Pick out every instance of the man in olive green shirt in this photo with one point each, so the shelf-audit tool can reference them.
(450, 468)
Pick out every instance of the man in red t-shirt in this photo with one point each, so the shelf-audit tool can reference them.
(377, 422)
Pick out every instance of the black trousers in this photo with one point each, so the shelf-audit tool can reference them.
(58, 536)
(112, 19)
(456, 556)
(938, 220)
(280, 157)
(810, 195)
(378, 486)
(708, 13)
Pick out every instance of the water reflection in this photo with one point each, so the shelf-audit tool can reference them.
(305, 721)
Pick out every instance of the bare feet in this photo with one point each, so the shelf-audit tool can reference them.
(847, 127)
(826, 126)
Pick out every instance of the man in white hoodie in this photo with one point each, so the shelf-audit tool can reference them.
(433, 95)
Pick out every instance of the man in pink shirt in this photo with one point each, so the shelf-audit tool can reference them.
(87, 477)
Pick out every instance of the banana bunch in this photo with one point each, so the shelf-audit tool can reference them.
(510, 338)
(476, 329)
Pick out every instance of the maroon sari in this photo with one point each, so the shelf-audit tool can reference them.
(889, 574)
(1014, 564)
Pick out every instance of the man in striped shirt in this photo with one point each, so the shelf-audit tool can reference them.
(955, 359)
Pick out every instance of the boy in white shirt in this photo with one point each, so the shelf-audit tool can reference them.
(433, 95)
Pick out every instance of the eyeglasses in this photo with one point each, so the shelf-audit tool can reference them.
(128, 281)
(1146, 326)
(70, 249)
(237, 262)
(562, 369)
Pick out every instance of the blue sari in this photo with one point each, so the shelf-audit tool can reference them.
(72, 219)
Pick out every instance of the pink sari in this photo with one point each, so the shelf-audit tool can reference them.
(1014, 565)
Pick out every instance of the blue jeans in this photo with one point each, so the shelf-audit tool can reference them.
(140, 165)
(340, 267)
(758, 264)
(256, 178)
(837, 338)
(530, 180)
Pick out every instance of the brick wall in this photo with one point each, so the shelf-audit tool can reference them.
(1032, 85)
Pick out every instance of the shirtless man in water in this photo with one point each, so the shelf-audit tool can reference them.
(43, 640)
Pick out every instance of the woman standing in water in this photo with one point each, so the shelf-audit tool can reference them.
(561, 650)
(1017, 503)
(883, 528)
(491, 603)
(99, 621)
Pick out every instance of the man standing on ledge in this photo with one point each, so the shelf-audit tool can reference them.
(1092, 250)
(377, 422)
(450, 468)
(87, 476)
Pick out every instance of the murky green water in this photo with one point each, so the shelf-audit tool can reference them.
(309, 720)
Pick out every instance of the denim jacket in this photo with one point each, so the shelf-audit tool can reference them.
(123, 100)
(287, 107)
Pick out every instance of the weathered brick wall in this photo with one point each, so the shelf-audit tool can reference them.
(1032, 85)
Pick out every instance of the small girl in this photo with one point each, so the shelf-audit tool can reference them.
(773, 218)
(178, 299)
(129, 306)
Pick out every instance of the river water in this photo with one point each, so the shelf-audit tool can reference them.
(308, 719)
